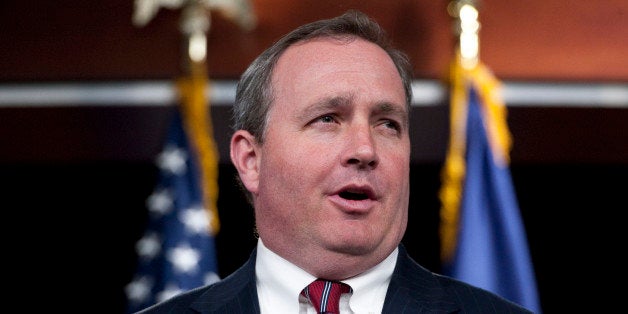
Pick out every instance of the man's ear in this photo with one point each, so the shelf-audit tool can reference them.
(245, 158)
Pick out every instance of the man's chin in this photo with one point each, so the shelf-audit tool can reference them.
(353, 247)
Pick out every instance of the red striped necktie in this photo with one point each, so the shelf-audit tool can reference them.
(325, 295)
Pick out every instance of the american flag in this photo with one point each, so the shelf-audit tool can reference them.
(177, 251)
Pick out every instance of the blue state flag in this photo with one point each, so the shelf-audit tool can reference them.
(484, 239)
(177, 251)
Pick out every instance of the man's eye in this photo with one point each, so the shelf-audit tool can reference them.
(326, 119)
(392, 125)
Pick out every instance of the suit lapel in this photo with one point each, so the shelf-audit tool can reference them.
(237, 293)
(414, 289)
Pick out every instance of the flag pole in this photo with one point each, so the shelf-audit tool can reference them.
(483, 239)
(195, 86)
(466, 28)
(196, 111)
(465, 69)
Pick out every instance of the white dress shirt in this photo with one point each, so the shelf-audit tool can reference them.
(279, 286)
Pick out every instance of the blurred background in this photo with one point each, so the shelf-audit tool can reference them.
(86, 96)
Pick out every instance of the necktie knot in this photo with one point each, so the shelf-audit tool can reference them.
(325, 295)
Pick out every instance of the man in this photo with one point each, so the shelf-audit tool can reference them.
(322, 149)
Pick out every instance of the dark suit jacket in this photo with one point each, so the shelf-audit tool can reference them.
(412, 289)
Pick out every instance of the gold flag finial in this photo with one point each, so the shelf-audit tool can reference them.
(240, 11)
(196, 20)
(467, 29)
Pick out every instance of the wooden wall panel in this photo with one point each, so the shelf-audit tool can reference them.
(556, 40)
(520, 40)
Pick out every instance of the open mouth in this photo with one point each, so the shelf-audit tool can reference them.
(355, 193)
(356, 196)
(355, 199)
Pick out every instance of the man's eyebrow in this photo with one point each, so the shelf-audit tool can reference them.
(333, 103)
(390, 108)
(325, 104)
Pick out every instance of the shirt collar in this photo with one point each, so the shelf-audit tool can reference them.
(280, 282)
(369, 288)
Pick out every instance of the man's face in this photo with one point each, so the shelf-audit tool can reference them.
(334, 165)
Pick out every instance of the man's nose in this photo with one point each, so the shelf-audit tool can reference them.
(361, 148)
